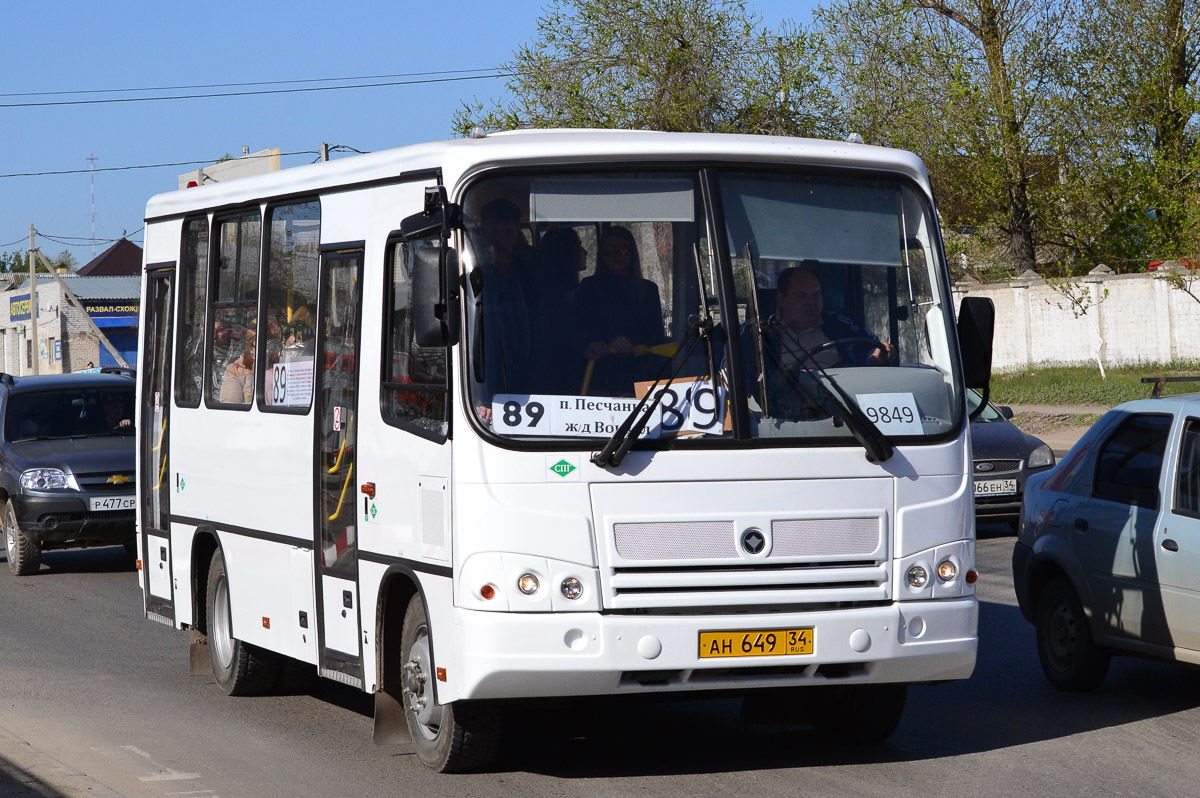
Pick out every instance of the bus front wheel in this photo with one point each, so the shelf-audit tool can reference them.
(239, 668)
(448, 738)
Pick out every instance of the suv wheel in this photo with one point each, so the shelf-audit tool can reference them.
(24, 556)
(1070, 657)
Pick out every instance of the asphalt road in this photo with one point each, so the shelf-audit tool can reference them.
(97, 701)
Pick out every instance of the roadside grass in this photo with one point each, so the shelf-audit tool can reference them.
(1081, 384)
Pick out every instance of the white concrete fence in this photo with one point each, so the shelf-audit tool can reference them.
(1141, 320)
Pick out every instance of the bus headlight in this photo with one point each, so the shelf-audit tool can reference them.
(528, 584)
(917, 576)
(572, 588)
(947, 571)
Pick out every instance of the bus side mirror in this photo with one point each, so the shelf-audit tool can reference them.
(976, 326)
(435, 296)
(440, 216)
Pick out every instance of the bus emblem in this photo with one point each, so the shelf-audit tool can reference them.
(562, 468)
(753, 540)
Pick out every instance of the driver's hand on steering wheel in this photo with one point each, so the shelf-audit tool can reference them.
(884, 355)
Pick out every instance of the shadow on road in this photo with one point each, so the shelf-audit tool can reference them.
(1006, 703)
(100, 560)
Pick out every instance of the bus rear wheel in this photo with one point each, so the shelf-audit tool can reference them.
(239, 668)
(448, 738)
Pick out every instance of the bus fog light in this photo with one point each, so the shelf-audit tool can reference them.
(572, 588)
(917, 576)
(947, 571)
(528, 584)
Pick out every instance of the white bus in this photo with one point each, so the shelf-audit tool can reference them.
(563, 413)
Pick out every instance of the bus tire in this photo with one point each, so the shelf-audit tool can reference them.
(24, 556)
(239, 668)
(856, 713)
(448, 738)
(1070, 657)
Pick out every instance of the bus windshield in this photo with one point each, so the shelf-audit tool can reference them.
(821, 290)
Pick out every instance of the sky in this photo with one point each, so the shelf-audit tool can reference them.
(69, 51)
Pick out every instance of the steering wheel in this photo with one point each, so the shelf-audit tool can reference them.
(850, 340)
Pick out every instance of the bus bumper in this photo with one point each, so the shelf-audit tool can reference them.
(511, 655)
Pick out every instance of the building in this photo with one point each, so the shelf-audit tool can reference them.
(108, 287)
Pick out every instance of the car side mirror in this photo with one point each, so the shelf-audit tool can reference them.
(1005, 411)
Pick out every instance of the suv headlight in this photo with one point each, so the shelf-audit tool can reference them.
(45, 479)
(1041, 457)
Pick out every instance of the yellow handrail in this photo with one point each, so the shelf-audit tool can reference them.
(666, 350)
(342, 497)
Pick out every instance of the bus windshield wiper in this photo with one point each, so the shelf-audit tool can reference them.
(878, 447)
(628, 430)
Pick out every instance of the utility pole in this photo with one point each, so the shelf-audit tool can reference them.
(92, 158)
(33, 314)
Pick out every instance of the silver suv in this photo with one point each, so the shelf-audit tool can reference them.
(66, 463)
(1107, 558)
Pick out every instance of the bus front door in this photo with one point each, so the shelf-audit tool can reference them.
(154, 483)
(336, 534)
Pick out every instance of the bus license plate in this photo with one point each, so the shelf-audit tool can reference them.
(757, 643)
(102, 503)
(995, 487)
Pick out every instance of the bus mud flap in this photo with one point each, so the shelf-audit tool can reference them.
(199, 663)
(390, 726)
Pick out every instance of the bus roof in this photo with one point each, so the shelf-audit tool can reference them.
(456, 157)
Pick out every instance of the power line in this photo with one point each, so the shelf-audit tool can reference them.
(260, 92)
(246, 83)
(141, 166)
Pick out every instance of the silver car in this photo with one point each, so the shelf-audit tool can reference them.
(1107, 558)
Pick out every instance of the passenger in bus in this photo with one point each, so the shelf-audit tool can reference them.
(558, 369)
(510, 301)
(620, 314)
(801, 337)
(237, 386)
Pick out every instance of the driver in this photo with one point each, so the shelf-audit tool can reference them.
(800, 338)
(803, 326)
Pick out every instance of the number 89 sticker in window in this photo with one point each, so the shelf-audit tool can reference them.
(690, 407)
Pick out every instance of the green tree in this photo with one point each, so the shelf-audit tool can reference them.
(676, 65)
(972, 87)
(1133, 154)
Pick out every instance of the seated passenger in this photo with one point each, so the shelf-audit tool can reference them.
(237, 386)
(619, 310)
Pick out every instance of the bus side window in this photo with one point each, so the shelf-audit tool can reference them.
(413, 391)
(234, 287)
(189, 374)
(290, 286)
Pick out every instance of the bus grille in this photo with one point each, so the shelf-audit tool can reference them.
(809, 562)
